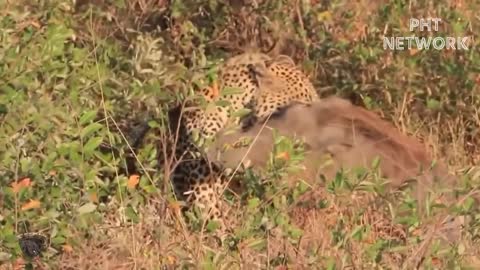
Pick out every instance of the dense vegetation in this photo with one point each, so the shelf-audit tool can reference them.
(63, 64)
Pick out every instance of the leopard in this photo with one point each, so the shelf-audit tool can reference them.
(265, 84)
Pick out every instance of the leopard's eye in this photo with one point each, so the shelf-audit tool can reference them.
(32, 245)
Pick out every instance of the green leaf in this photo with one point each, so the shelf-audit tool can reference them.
(131, 214)
(58, 240)
(468, 203)
(231, 91)
(257, 244)
(207, 263)
(3, 109)
(92, 144)
(153, 124)
(376, 162)
(146, 185)
(87, 116)
(253, 203)
(90, 129)
(331, 265)
(357, 233)
(433, 104)
(242, 112)
(280, 220)
(86, 208)
(223, 103)
(212, 225)
(295, 233)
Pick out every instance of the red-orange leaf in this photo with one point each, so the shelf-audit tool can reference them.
(67, 248)
(283, 155)
(413, 51)
(32, 204)
(24, 183)
(93, 197)
(175, 206)
(133, 181)
(436, 261)
(215, 90)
